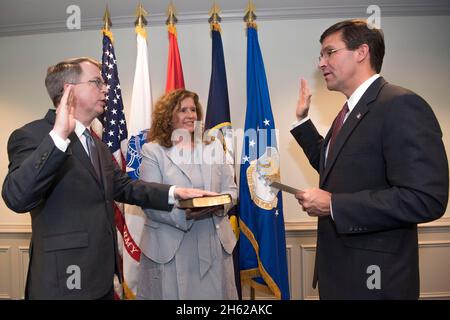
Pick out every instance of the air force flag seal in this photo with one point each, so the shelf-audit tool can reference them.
(260, 173)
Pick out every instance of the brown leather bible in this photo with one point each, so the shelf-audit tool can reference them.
(207, 201)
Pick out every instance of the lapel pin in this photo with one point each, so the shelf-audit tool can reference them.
(358, 116)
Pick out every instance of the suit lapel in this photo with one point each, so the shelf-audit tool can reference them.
(102, 158)
(182, 163)
(76, 148)
(80, 153)
(353, 119)
(323, 151)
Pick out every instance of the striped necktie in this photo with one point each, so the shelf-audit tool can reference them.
(337, 126)
(92, 151)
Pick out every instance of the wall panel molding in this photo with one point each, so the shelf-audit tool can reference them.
(23, 268)
(434, 251)
(6, 285)
(308, 253)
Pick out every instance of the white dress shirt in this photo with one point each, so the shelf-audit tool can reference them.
(351, 102)
(62, 145)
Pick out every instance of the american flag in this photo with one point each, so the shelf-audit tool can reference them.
(115, 137)
(114, 124)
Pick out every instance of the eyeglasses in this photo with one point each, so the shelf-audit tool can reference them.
(98, 83)
(326, 54)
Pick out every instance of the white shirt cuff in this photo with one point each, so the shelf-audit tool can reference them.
(172, 195)
(60, 143)
(331, 209)
(299, 122)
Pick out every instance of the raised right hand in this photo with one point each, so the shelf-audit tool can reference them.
(304, 100)
(65, 121)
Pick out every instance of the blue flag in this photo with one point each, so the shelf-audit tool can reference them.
(218, 122)
(218, 110)
(262, 249)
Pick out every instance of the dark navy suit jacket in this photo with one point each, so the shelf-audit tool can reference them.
(73, 226)
(388, 171)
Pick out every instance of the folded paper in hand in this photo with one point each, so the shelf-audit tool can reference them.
(206, 201)
(284, 187)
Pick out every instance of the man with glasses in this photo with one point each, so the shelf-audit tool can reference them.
(68, 182)
(383, 169)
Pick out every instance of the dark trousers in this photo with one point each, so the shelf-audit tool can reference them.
(109, 295)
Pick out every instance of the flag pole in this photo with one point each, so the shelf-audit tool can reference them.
(250, 20)
(107, 19)
(107, 24)
(117, 134)
(140, 22)
(138, 123)
(249, 15)
(175, 78)
(171, 17)
(214, 18)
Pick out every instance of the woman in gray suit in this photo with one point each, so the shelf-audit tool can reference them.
(186, 254)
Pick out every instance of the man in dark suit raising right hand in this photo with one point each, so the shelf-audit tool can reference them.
(383, 169)
(68, 182)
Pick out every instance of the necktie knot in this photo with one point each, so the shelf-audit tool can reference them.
(87, 134)
(345, 108)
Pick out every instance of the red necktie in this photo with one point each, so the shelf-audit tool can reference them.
(337, 126)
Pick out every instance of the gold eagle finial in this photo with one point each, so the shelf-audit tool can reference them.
(140, 16)
(107, 20)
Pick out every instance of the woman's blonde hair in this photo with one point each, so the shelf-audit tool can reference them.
(163, 113)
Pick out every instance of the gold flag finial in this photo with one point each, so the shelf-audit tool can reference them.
(214, 14)
(214, 18)
(250, 16)
(171, 18)
(107, 20)
(140, 16)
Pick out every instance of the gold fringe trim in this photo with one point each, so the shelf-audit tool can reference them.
(129, 295)
(247, 279)
(141, 31)
(109, 34)
(216, 27)
(235, 226)
(251, 273)
(260, 287)
(172, 29)
(252, 25)
(220, 125)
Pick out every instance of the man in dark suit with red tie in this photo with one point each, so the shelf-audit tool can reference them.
(68, 182)
(383, 169)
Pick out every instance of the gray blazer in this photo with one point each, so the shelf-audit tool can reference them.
(164, 231)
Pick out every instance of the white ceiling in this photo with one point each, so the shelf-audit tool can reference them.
(19, 17)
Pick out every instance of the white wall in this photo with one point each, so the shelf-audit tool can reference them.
(417, 57)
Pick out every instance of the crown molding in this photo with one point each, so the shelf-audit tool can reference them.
(294, 13)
